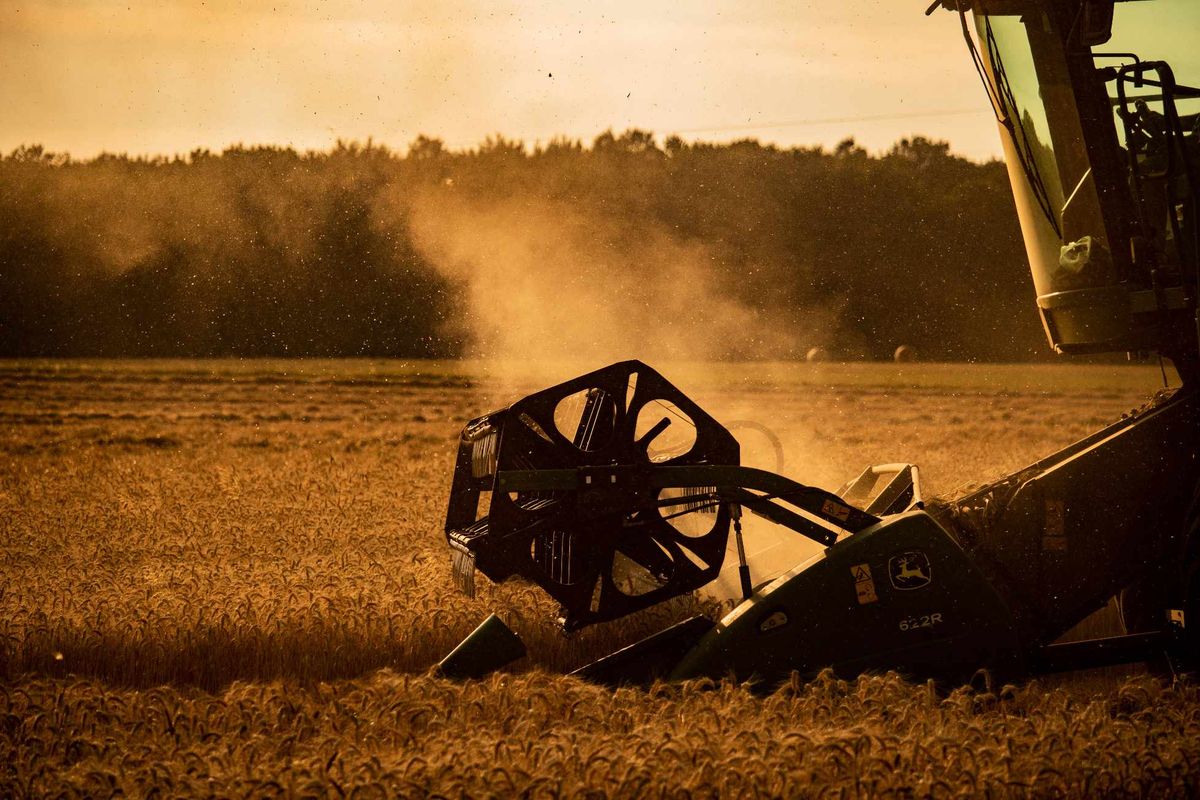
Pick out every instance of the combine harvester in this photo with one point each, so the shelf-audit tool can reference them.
(614, 491)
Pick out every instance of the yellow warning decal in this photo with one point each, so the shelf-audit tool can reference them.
(864, 584)
(835, 510)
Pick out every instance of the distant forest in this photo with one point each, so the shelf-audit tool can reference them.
(265, 251)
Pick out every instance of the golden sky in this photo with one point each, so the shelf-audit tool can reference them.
(165, 77)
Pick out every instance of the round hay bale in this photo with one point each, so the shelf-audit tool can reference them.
(904, 353)
(816, 354)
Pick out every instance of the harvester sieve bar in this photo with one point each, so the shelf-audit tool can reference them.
(821, 504)
(781, 516)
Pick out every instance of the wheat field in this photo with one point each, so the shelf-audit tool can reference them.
(229, 578)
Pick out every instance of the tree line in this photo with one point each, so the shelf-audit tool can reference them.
(266, 251)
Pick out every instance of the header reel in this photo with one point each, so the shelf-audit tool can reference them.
(613, 492)
(604, 545)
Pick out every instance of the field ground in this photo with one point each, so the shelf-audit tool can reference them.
(230, 577)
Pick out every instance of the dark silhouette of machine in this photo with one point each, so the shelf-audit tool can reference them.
(614, 491)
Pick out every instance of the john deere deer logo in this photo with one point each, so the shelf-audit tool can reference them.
(909, 570)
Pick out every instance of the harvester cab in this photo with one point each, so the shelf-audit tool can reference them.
(1101, 136)
(615, 491)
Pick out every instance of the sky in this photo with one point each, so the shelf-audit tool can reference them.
(167, 77)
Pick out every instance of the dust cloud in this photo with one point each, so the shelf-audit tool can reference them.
(553, 290)
(549, 282)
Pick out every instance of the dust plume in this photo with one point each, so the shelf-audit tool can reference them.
(551, 281)
(548, 282)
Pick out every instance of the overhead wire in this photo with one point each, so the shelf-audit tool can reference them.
(792, 123)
